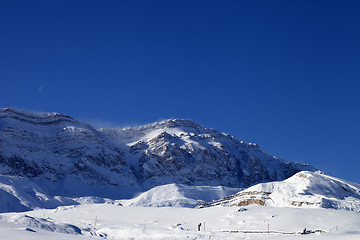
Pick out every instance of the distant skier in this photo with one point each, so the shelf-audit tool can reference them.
(199, 226)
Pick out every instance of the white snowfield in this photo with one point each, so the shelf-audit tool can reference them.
(109, 221)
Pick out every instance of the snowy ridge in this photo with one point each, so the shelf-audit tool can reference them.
(177, 127)
(304, 189)
(34, 117)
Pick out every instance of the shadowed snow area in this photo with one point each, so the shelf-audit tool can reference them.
(19, 194)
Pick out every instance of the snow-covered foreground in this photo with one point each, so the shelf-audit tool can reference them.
(99, 221)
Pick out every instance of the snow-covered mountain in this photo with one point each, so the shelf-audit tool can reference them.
(304, 189)
(53, 146)
(59, 157)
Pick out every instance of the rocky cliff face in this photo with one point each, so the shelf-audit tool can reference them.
(54, 147)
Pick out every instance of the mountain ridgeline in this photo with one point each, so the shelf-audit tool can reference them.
(55, 149)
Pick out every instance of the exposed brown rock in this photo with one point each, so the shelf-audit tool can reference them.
(247, 202)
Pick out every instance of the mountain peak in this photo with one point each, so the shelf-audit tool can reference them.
(172, 123)
(178, 121)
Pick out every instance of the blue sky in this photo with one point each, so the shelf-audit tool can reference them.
(283, 74)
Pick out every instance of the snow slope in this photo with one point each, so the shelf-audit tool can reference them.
(96, 221)
(178, 195)
(304, 189)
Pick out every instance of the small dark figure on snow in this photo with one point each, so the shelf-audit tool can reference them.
(199, 225)
(304, 231)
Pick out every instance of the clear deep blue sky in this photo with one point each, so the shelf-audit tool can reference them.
(283, 74)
